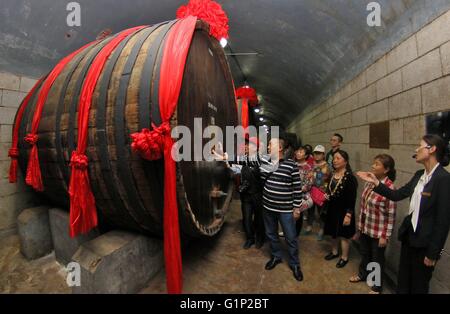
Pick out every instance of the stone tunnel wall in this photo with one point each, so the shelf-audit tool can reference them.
(402, 87)
(13, 197)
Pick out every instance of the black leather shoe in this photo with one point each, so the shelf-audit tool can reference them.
(297, 272)
(331, 256)
(341, 263)
(274, 261)
(248, 244)
(259, 244)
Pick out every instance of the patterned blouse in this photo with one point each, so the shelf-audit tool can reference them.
(321, 176)
(306, 176)
(377, 213)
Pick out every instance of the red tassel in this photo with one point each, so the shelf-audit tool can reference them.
(14, 155)
(33, 176)
(14, 151)
(13, 170)
(244, 114)
(83, 214)
(172, 245)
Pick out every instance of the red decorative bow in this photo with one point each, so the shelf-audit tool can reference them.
(149, 144)
(249, 93)
(209, 11)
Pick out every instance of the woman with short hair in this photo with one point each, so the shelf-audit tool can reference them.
(376, 221)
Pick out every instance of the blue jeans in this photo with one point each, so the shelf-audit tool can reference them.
(287, 222)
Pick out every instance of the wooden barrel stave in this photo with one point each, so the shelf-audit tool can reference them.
(122, 135)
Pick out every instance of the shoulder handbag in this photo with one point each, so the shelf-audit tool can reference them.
(317, 196)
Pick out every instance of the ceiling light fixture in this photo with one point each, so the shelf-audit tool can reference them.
(223, 42)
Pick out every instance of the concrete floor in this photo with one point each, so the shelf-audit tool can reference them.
(217, 265)
(17, 275)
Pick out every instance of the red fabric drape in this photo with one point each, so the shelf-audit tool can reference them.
(14, 151)
(33, 176)
(83, 214)
(244, 113)
(153, 144)
(171, 76)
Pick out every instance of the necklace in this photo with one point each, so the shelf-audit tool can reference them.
(332, 192)
(338, 176)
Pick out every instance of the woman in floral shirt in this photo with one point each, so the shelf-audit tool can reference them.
(321, 177)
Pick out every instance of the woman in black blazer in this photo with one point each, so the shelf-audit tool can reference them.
(340, 208)
(425, 229)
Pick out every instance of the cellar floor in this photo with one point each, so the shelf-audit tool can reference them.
(218, 265)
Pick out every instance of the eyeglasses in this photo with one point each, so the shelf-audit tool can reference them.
(428, 147)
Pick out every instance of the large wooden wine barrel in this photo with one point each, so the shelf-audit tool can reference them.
(129, 190)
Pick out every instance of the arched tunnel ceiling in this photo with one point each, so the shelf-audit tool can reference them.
(306, 48)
